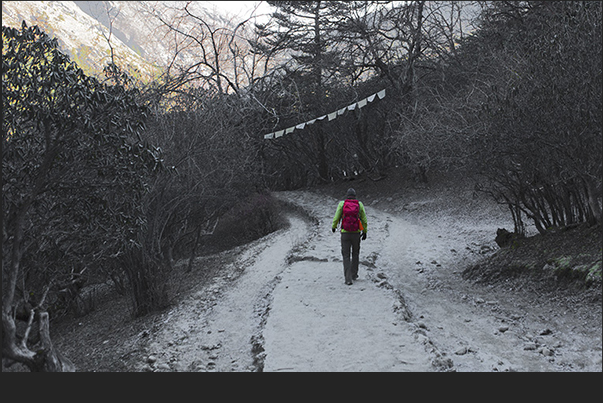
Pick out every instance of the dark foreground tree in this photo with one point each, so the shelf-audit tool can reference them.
(73, 173)
(542, 147)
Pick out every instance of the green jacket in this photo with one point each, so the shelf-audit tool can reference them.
(339, 212)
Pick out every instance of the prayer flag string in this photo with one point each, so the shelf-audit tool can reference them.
(331, 116)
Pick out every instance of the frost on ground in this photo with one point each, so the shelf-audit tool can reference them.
(280, 304)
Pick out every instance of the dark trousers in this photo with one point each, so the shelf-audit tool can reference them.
(350, 250)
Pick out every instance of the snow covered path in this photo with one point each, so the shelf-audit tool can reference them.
(283, 306)
(317, 323)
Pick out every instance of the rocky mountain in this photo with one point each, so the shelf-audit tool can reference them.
(135, 30)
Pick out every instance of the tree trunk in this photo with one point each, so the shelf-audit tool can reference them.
(193, 254)
(46, 359)
(11, 348)
(317, 67)
(51, 359)
(594, 194)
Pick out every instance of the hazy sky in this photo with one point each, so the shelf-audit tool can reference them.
(241, 8)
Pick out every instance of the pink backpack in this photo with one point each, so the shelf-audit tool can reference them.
(350, 220)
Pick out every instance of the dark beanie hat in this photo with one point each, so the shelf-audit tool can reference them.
(351, 193)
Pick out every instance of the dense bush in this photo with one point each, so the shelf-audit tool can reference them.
(71, 146)
(541, 145)
(253, 217)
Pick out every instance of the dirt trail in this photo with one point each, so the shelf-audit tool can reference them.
(283, 306)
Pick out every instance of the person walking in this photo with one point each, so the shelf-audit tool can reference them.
(352, 215)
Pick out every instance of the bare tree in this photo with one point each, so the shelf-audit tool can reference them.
(208, 52)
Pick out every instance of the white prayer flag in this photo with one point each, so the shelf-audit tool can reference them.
(269, 136)
(352, 107)
(322, 117)
(311, 122)
(371, 98)
(342, 111)
(289, 130)
(300, 126)
(362, 103)
(381, 94)
(279, 133)
(332, 116)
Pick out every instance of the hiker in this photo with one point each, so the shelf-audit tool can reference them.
(352, 215)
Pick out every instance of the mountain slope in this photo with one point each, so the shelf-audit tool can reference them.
(82, 37)
(141, 43)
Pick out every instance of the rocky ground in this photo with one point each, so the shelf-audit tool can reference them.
(435, 293)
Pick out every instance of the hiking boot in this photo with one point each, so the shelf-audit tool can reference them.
(355, 277)
(348, 283)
